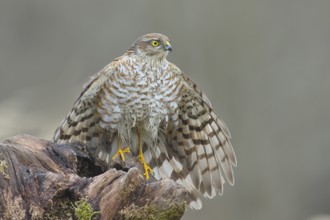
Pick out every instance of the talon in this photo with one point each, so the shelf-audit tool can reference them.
(121, 152)
(146, 167)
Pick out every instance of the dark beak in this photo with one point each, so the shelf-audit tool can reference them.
(168, 46)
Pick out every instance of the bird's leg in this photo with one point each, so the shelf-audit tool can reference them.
(120, 152)
(146, 167)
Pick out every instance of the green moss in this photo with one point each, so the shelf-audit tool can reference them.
(83, 210)
(3, 166)
(61, 209)
(175, 211)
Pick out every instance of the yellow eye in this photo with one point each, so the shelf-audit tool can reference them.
(154, 43)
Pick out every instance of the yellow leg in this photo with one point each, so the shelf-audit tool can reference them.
(121, 152)
(146, 167)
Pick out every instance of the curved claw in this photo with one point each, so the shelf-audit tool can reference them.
(146, 167)
(120, 153)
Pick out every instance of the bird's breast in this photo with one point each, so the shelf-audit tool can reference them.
(144, 95)
(141, 96)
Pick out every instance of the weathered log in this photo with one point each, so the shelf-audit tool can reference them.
(42, 180)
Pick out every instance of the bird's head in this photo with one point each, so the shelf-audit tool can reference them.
(152, 45)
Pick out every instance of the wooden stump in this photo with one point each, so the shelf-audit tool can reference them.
(42, 180)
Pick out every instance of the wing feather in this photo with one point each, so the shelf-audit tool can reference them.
(82, 124)
(200, 141)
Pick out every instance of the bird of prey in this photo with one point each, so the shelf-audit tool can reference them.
(144, 105)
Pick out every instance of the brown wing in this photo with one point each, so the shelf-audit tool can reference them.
(198, 150)
(82, 124)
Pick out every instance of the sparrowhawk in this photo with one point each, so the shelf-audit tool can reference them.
(143, 104)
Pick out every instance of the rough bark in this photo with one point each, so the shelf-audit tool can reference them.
(42, 180)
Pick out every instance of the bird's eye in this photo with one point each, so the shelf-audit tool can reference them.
(155, 43)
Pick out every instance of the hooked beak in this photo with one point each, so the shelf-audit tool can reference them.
(168, 46)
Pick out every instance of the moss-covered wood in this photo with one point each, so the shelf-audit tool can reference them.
(42, 180)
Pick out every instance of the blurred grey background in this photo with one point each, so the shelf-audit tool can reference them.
(265, 64)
